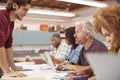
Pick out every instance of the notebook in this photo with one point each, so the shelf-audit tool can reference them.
(105, 66)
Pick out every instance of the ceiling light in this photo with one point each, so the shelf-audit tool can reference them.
(2, 7)
(86, 2)
(45, 19)
(50, 12)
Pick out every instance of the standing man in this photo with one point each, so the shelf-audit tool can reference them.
(15, 9)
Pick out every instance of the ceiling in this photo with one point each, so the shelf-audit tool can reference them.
(55, 5)
(79, 10)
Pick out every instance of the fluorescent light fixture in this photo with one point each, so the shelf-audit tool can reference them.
(86, 2)
(50, 12)
(2, 7)
(45, 19)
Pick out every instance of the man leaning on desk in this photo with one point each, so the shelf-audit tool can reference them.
(15, 9)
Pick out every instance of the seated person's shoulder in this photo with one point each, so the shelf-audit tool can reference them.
(64, 44)
(99, 46)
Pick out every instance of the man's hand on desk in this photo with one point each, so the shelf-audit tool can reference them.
(15, 74)
(17, 68)
(39, 61)
(56, 61)
(65, 66)
(20, 68)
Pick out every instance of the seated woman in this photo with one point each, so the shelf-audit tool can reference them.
(107, 23)
(75, 48)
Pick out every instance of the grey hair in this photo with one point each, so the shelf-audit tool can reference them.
(86, 27)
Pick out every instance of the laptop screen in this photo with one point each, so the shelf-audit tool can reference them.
(105, 66)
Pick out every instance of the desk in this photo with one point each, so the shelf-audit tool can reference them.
(38, 72)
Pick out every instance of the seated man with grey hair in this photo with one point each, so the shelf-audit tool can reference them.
(61, 49)
(84, 36)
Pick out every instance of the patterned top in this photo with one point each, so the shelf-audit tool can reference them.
(61, 52)
(74, 55)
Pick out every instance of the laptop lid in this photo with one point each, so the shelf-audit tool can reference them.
(49, 61)
(52, 64)
(43, 57)
(105, 66)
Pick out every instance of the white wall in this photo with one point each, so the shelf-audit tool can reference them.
(34, 22)
(84, 14)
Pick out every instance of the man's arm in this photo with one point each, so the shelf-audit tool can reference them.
(5, 66)
(9, 52)
(84, 70)
(3, 60)
(78, 68)
(10, 58)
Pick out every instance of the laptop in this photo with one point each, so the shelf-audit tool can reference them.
(43, 57)
(52, 64)
(105, 66)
